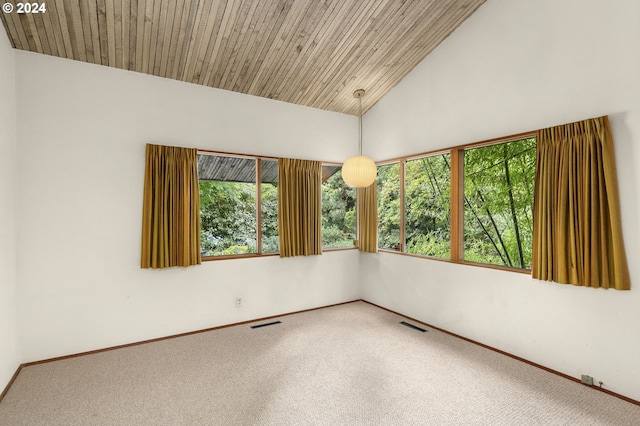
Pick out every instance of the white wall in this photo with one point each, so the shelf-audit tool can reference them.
(9, 344)
(515, 67)
(82, 134)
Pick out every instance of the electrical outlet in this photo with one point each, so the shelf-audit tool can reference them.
(587, 380)
(239, 305)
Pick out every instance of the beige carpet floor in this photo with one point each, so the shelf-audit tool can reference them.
(351, 364)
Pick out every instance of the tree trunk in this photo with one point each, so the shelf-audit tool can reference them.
(512, 207)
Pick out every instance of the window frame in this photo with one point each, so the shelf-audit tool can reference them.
(403, 204)
(456, 200)
(258, 159)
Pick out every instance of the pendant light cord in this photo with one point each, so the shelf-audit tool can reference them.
(359, 94)
(360, 99)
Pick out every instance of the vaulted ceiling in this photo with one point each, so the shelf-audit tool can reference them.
(308, 52)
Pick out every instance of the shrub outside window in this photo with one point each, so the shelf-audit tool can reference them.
(230, 196)
(427, 206)
(338, 209)
(227, 205)
(388, 185)
(239, 213)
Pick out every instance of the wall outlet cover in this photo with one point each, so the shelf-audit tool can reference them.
(587, 380)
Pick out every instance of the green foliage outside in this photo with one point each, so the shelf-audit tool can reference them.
(388, 184)
(498, 204)
(270, 240)
(229, 221)
(498, 198)
(427, 211)
(338, 213)
(228, 218)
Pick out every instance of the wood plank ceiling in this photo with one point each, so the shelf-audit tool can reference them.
(308, 52)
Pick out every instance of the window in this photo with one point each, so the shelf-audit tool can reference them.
(498, 203)
(427, 206)
(338, 209)
(388, 183)
(230, 196)
(239, 213)
(469, 204)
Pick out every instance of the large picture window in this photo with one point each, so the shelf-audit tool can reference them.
(238, 212)
(498, 203)
(466, 204)
(239, 206)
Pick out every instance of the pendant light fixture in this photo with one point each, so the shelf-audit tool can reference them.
(359, 171)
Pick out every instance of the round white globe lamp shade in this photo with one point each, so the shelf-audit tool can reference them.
(359, 171)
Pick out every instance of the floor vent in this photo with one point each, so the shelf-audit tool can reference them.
(415, 327)
(266, 324)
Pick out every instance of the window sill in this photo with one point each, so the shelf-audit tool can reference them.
(327, 249)
(256, 255)
(238, 256)
(480, 265)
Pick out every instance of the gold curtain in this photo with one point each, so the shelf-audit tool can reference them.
(171, 209)
(577, 237)
(368, 218)
(299, 207)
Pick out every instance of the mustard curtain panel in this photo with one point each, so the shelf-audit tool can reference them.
(171, 210)
(368, 219)
(577, 234)
(299, 207)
